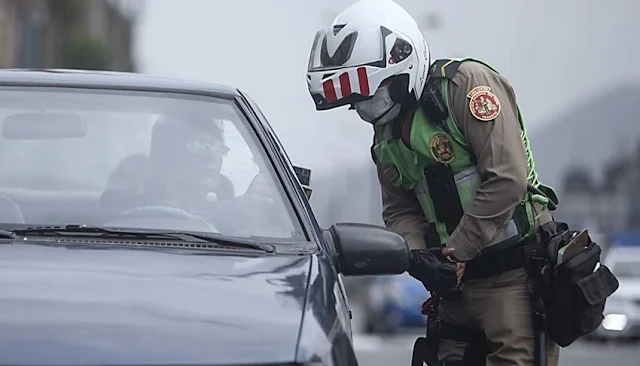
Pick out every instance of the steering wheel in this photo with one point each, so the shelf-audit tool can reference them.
(162, 217)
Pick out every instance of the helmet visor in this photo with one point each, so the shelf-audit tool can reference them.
(357, 48)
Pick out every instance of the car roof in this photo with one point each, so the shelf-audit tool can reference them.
(110, 80)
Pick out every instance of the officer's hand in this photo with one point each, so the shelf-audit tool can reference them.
(460, 266)
(447, 252)
(435, 274)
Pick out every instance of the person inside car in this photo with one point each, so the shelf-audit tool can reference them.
(183, 177)
(185, 163)
(168, 175)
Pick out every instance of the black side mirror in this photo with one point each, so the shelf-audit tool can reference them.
(363, 249)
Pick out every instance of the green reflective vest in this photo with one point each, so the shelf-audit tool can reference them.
(442, 145)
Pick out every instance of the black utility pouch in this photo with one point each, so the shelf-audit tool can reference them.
(578, 295)
(443, 193)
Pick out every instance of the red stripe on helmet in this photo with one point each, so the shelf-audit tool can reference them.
(329, 91)
(363, 80)
(345, 84)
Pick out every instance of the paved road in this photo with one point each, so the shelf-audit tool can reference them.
(396, 350)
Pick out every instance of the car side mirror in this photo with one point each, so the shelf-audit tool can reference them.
(363, 249)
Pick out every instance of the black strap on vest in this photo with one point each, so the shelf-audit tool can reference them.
(444, 68)
(432, 238)
(432, 100)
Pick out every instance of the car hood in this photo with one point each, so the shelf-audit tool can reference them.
(66, 305)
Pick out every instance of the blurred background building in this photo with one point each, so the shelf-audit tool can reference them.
(591, 154)
(94, 34)
(607, 204)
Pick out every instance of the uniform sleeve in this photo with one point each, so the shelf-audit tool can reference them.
(402, 213)
(500, 154)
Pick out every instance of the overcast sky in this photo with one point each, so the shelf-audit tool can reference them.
(555, 54)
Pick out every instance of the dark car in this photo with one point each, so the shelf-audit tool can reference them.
(153, 221)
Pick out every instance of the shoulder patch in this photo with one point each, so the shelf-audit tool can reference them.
(483, 104)
(444, 68)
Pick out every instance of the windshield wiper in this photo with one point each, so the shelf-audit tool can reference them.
(104, 232)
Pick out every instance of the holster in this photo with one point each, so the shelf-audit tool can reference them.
(425, 349)
(424, 352)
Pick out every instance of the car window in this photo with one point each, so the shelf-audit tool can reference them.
(137, 159)
(261, 116)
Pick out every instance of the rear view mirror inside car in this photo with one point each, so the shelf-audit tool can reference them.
(43, 126)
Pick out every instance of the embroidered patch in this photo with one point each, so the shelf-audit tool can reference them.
(483, 104)
(442, 149)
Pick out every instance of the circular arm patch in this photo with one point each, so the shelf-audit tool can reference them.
(483, 104)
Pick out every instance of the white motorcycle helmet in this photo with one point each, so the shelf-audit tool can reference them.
(369, 49)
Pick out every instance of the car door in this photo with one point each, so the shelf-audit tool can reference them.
(341, 294)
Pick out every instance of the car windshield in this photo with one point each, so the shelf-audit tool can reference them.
(627, 269)
(143, 160)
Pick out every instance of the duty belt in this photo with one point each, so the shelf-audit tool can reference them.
(500, 262)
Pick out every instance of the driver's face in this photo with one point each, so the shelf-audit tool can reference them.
(205, 156)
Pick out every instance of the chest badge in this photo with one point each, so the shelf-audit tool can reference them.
(483, 104)
(442, 149)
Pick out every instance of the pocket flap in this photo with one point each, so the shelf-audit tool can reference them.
(599, 285)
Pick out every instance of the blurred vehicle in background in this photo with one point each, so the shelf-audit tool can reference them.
(394, 302)
(622, 310)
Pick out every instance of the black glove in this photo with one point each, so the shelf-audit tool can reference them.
(435, 274)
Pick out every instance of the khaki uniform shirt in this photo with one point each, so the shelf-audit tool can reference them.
(501, 162)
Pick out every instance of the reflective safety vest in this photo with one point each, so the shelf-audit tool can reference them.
(441, 169)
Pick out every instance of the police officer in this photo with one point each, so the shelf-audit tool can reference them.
(455, 167)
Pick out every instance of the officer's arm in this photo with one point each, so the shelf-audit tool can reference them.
(501, 159)
(402, 213)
